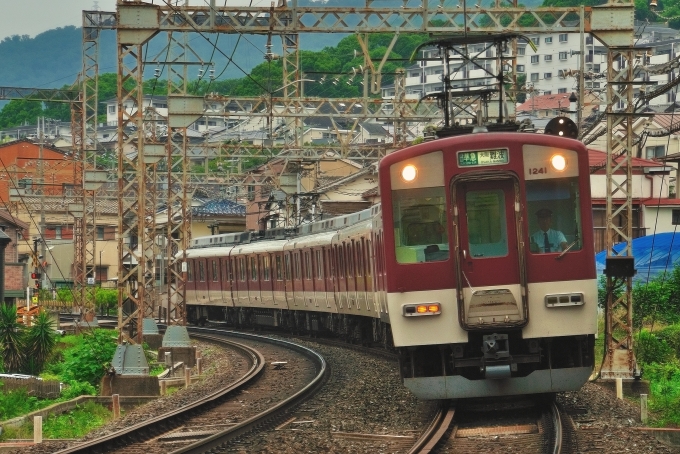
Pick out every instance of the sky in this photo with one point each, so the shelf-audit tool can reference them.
(31, 17)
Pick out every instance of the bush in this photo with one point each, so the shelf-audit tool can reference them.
(650, 349)
(665, 388)
(87, 359)
(74, 389)
(17, 402)
(671, 335)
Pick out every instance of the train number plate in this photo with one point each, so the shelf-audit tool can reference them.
(483, 158)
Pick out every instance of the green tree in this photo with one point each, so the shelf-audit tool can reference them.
(19, 111)
(11, 339)
(39, 342)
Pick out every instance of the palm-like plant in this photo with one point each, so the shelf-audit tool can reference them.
(39, 341)
(11, 339)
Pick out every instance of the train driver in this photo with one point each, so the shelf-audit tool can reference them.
(546, 239)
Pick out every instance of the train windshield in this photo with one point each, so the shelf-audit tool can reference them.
(420, 230)
(554, 215)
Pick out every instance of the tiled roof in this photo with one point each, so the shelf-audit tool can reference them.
(219, 207)
(545, 102)
(599, 158)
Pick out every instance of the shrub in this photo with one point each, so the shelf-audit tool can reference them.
(11, 339)
(88, 359)
(39, 342)
(650, 349)
(74, 389)
(671, 335)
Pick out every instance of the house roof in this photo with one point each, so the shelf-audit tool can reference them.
(374, 129)
(6, 216)
(545, 102)
(45, 146)
(347, 179)
(219, 208)
(598, 158)
(655, 201)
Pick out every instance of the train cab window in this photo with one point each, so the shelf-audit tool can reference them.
(487, 226)
(278, 268)
(253, 269)
(215, 273)
(190, 274)
(201, 271)
(554, 215)
(420, 229)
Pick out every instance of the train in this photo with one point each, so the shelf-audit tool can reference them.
(476, 268)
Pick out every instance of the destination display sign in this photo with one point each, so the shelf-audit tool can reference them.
(483, 157)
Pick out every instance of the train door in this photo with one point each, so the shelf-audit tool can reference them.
(242, 281)
(299, 292)
(277, 277)
(214, 290)
(254, 281)
(491, 266)
(266, 288)
(319, 283)
(340, 273)
(330, 283)
(350, 265)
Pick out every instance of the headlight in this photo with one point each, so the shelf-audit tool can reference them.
(558, 162)
(409, 173)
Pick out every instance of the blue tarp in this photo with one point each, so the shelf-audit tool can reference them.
(653, 255)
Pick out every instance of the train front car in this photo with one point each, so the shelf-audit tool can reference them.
(491, 284)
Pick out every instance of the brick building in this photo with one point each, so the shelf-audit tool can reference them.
(15, 267)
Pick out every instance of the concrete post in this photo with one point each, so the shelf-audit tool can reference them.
(199, 365)
(115, 399)
(37, 429)
(643, 408)
(187, 376)
(168, 360)
(619, 388)
(164, 387)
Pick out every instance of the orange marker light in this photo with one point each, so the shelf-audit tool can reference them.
(433, 308)
(421, 309)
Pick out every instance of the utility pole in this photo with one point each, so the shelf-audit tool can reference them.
(41, 185)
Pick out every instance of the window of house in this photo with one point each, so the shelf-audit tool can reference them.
(534, 59)
(212, 123)
(534, 77)
(563, 55)
(57, 232)
(564, 37)
(536, 41)
(548, 39)
(561, 90)
(655, 151)
(100, 233)
(596, 67)
(521, 51)
(547, 75)
(589, 39)
(112, 109)
(520, 68)
(547, 57)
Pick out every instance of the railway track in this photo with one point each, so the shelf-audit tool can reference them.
(519, 426)
(218, 418)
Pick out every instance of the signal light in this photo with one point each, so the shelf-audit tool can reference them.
(37, 285)
(35, 275)
(562, 126)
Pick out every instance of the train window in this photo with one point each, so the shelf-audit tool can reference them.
(190, 274)
(265, 268)
(420, 229)
(201, 271)
(278, 267)
(341, 262)
(286, 260)
(308, 265)
(351, 260)
(242, 267)
(215, 274)
(296, 263)
(319, 265)
(253, 269)
(554, 215)
(360, 260)
(486, 222)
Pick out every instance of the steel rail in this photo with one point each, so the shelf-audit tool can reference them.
(160, 423)
(270, 414)
(557, 428)
(436, 430)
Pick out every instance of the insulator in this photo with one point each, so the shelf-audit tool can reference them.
(157, 72)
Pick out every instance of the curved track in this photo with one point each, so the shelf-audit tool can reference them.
(155, 428)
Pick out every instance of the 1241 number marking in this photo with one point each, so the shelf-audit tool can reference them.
(537, 170)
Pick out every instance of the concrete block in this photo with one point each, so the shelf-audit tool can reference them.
(187, 355)
(153, 340)
(130, 385)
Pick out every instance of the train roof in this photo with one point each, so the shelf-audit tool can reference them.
(325, 225)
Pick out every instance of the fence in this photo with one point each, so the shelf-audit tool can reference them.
(34, 386)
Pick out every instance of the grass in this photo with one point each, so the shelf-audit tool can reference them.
(18, 402)
(74, 424)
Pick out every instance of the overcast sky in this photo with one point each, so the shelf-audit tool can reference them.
(31, 17)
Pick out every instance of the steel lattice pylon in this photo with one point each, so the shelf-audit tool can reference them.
(619, 361)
